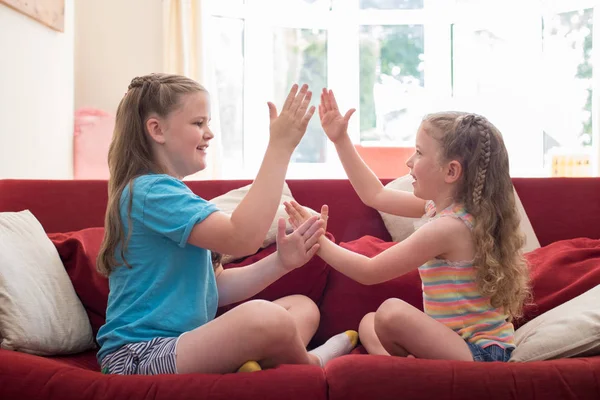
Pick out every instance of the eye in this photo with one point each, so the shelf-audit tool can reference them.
(418, 152)
(200, 124)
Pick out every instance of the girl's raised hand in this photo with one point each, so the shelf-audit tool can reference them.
(334, 124)
(297, 248)
(289, 126)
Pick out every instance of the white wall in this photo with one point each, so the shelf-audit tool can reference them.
(36, 97)
(115, 41)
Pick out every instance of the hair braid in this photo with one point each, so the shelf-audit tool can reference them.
(484, 155)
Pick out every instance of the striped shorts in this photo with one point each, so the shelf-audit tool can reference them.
(145, 358)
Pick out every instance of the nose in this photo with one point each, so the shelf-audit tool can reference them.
(208, 134)
(409, 162)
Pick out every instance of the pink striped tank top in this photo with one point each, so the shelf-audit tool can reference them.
(451, 296)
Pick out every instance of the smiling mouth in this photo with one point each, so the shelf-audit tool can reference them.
(202, 148)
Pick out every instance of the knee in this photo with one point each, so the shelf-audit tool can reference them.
(272, 323)
(366, 323)
(388, 316)
(310, 311)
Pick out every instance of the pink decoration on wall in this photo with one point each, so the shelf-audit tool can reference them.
(91, 139)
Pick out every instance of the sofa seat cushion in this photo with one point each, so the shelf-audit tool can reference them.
(34, 377)
(345, 301)
(86, 360)
(357, 377)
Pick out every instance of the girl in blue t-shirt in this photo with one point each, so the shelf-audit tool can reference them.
(161, 245)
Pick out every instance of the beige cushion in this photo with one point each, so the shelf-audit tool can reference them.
(569, 330)
(39, 310)
(229, 201)
(402, 227)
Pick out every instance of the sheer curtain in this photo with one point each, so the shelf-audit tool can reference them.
(186, 52)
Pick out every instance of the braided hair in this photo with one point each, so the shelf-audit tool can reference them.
(487, 192)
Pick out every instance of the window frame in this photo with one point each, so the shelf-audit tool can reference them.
(437, 18)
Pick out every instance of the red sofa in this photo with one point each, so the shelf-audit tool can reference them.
(560, 210)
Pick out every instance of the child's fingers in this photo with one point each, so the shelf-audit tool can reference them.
(332, 100)
(313, 250)
(306, 225)
(281, 228)
(304, 105)
(349, 114)
(324, 212)
(308, 116)
(293, 214)
(297, 102)
(299, 209)
(272, 111)
(314, 238)
(290, 97)
(327, 101)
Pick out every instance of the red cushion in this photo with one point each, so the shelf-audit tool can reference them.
(309, 280)
(561, 271)
(346, 302)
(78, 252)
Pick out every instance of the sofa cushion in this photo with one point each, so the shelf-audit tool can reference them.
(560, 272)
(78, 251)
(45, 378)
(569, 330)
(39, 310)
(345, 301)
(308, 280)
(358, 377)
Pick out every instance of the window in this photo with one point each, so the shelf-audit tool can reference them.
(527, 66)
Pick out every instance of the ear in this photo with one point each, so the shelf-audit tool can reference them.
(453, 171)
(154, 127)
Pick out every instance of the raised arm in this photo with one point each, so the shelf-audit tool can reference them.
(243, 232)
(365, 182)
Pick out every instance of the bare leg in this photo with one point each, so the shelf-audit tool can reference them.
(368, 337)
(304, 312)
(257, 330)
(401, 328)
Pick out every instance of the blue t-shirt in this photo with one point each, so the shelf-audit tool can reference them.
(170, 287)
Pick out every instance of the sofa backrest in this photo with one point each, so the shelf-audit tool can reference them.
(558, 208)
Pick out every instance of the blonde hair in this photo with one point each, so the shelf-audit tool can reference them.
(130, 153)
(486, 190)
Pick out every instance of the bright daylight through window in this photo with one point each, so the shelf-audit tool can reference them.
(526, 65)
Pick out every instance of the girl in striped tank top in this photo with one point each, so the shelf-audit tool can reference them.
(468, 253)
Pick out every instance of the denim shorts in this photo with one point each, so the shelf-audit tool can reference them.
(156, 356)
(490, 353)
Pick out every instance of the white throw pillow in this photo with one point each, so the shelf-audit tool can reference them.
(229, 201)
(40, 312)
(569, 330)
(402, 227)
